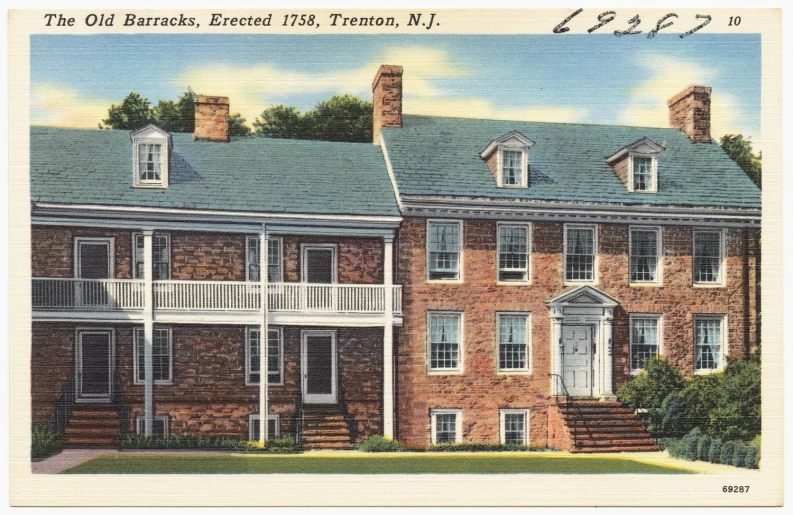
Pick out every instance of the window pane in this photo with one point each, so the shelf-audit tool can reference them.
(273, 260)
(253, 258)
(708, 343)
(444, 249)
(273, 355)
(707, 257)
(515, 428)
(644, 341)
(445, 428)
(580, 256)
(272, 427)
(644, 255)
(161, 354)
(161, 257)
(149, 162)
(512, 342)
(642, 173)
(513, 244)
(444, 347)
(511, 167)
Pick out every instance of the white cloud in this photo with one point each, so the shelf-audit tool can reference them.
(52, 104)
(483, 108)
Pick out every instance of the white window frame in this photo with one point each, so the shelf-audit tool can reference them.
(279, 243)
(111, 255)
(135, 355)
(164, 160)
(503, 424)
(78, 333)
(140, 420)
(595, 260)
(458, 423)
(658, 254)
(659, 336)
(305, 247)
(723, 337)
(528, 228)
(524, 168)
(528, 368)
(460, 347)
(653, 172)
(280, 330)
(721, 282)
(460, 246)
(271, 416)
(135, 236)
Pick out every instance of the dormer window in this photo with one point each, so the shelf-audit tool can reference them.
(151, 147)
(507, 159)
(637, 165)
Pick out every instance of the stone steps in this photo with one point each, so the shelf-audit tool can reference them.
(93, 426)
(325, 428)
(610, 426)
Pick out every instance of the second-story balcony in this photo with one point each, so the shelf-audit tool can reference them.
(52, 296)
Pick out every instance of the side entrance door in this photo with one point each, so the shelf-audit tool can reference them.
(94, 365)
(319, 367)
(577, 360)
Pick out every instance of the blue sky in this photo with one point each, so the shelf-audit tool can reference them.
(578, 78)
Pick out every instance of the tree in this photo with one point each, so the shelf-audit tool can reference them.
(237, 125)
(132, 113)
(340, 118)
(740, 150)
(176, 116)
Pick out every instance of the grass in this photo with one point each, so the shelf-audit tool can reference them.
(380, 464)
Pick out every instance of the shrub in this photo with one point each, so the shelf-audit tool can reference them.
(703, 448)
(727, 452)
(700, 397)
(649, 389)
(752, 457)
(282, 445)
(714, 453)
(737, 415)
(690, 444)
(675, 447)
(134, 441)
(670, 420)
(480, 447)
(379, 443)
(739, 455)
(44, 442)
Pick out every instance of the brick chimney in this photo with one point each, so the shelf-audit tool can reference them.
(211, 118)
(387, 99)
(689, 111)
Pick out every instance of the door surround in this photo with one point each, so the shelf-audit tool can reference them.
(567, 364)
(306, 247)
(584, 305)
(332, 397)
(78, 355)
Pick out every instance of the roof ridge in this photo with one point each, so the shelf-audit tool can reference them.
(543, 123)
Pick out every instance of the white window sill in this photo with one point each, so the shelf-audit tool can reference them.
(512, 283)
(444, 372)
(444, 281)
(515, 372)
(645, 285)
(709, 285)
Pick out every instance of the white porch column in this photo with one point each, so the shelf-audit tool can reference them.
(608, 364)
(556, 350)
(264, 377)
(148, 332)
(388, 338)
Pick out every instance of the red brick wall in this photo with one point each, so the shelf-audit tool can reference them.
(480, 392)
(359, 260)
(689, 111)
(207, 256)
(387, 99)
(52, 249)
(211, 118)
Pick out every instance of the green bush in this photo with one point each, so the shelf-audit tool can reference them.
(737, 415)
(134, 441)
(379, 443)
(700, 398)
(714, 453)
(739, 455)
(727, 452)
(282, 445)
(691, 443)
(649, 389)
(752, 457)
(44, 442)
(703, 448)
(670, 419)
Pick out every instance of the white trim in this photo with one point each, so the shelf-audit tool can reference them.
(515, 371)
(78, 333)
(254, 417)
(458, 423)
(165, 160)
(659, 336)
(524, 167)
(135, 235)
(722, 280)
(135, 352)
(511, 139)
(304, 247)
(460, 345)
(502, 423)
(529, 249)
(111, 255)
(723, 336)
(331, 398)
(659, 254)
(280, 332)
(460, 247)
(595, 260)
(280, 241)
(140, 420)
(389, 167)
(653, 172)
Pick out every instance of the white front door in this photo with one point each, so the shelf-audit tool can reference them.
(577, 356)
(319, 367)
(94, 365)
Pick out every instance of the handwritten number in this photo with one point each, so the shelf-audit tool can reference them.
(561, 29)
(661, 25)
(706, 17)
(602, 18)
(635, 21)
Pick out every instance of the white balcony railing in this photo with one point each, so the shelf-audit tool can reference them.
(125, 294)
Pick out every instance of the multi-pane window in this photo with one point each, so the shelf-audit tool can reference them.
(161, 256)
(514, 426)
(513, 253)
(513, 342)
(644, 340)
(579, 254)
(708, 343)
(159, 425)
(149, 162)
(273, 259)
(444, 345)
(274, 358)
(512, 167)
(644, 255)
(707, 257)
(161, 355)
(642, 173)
(254, 421)
(446, 426)
(443, 248)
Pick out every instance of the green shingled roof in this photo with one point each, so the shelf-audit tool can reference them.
(248, 174)
(440, 156)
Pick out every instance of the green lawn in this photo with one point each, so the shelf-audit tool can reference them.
(369, 464)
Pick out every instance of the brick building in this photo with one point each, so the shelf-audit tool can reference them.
(460, 281)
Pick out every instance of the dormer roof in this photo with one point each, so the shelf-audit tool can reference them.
(151, 131)
(512, 139)
(644, 146)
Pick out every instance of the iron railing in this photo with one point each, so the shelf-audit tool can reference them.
(569, 403)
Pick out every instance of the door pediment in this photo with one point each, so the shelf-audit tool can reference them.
(583, 295)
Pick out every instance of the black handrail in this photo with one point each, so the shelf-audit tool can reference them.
(569, 402)
(64, 406)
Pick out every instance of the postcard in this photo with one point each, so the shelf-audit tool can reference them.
(395, 257)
